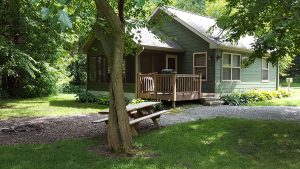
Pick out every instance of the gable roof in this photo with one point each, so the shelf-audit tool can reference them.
(154, 40)
(145, 37)
(201, 26)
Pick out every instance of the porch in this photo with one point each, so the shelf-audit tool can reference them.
(170, 87)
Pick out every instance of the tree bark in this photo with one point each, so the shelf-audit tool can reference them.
(119, 132)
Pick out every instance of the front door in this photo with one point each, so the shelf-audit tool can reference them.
(171, 62)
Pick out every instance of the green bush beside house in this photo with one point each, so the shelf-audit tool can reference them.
(252, 96)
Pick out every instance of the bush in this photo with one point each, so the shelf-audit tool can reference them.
(4, 94)
(86, 97)
(104, 100)
(69, 88)
(253, 96)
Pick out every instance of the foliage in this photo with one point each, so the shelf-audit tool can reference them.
(294, 100)
(69, 88)
(136, 101)
(86, 97)
(274, 23)
(32, 54)
(215, 8)
(231, 143)
(285, 65)
(158, 107)
(197, 6)
(293, 69)
(78, 70)
(104, 100)
(252, 96)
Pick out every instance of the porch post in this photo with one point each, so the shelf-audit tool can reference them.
(200, 85)
(174, 90)
(137, 70)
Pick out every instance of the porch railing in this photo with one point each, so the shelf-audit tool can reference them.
(154, 86)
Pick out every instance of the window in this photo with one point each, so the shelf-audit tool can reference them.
(171, 62)
(231, 67)
(265, 70)
(98, 69)
(92, 69)
(200, 64)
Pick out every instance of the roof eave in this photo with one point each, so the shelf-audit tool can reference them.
(177, 50)
(236, 49)
(211, 43)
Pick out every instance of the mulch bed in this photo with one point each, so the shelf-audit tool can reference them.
(49, 129)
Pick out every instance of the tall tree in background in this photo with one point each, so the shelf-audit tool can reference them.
(31, 52)
(275, 24)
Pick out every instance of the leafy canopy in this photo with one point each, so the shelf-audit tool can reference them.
(275, 23)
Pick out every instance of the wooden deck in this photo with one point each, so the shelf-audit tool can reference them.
(169, 87)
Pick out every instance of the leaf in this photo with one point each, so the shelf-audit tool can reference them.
(64, 19)
(45, 13)
(64, 2)
(34, 1)
(140, 3)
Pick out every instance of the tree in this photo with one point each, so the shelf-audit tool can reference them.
(109, 28)
(30, 50)
(275, 24)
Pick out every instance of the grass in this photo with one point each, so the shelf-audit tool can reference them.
(57, 105)
(215, 143)
(294, 100)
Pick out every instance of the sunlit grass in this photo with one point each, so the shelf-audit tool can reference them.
(57, 105)
(215, 143)
(294, 100)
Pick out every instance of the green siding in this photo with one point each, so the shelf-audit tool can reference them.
(250, 78)
(191, 43)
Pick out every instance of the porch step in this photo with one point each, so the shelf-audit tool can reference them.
(213, 103)
(204, 99)
(208, 95)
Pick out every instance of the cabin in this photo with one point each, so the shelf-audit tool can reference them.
(182, 58)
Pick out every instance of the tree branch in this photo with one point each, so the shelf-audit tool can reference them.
(121, 11)
(99, 33)
(113, 20)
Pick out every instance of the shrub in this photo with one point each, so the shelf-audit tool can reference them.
(69, 88)
(285, 93)
(253, 96)
(86, 97)
(104, 100)
(4, 94)
(136, 101)
(158, 107)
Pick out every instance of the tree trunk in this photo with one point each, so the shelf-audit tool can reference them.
(119, 132)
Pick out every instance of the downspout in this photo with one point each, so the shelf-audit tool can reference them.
(137, 69)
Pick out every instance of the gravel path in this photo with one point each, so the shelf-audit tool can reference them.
(50, 129)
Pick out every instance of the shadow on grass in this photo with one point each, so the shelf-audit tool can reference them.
(216, 143)
(74, 104)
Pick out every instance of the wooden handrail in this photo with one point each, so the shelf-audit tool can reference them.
(169, 84)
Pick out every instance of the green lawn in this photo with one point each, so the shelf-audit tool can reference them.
(294, 100)
(215, 143)
(58, 105)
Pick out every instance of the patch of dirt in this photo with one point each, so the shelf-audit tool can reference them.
(49, 129)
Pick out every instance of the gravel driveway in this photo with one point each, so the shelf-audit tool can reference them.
(50, 129)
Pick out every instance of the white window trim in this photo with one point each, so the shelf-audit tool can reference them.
(171, 56)
(200, 66)
(262, 69)
(231, 55)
